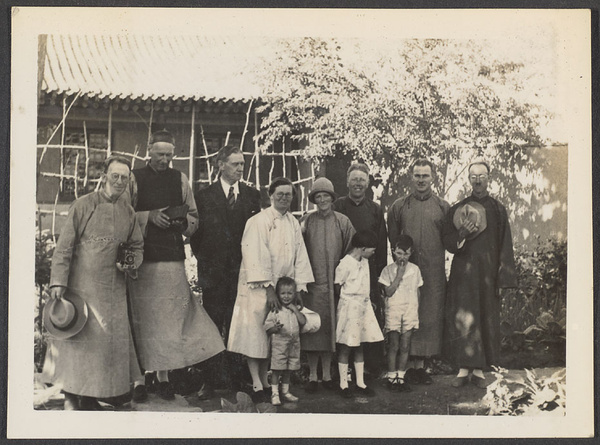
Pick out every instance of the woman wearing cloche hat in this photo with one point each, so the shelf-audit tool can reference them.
(327, 235)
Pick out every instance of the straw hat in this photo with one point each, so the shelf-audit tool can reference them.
(321, 185)
(65, 317)
(474, 212)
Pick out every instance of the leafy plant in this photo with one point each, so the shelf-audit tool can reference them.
(536, 312)
(532, 396)
(44, 249)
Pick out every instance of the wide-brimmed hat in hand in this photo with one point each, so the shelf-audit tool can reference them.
(321, 185)
(65, 317)
(474, 212)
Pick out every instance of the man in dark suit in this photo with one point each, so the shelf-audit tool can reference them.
(223, 207)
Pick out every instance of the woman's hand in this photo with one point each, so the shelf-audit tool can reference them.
(300, 298)
(273, 303)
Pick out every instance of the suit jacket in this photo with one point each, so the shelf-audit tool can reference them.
(217, 242)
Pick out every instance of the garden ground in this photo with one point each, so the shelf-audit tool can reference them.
(437, 398)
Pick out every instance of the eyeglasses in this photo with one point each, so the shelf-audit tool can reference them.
(480, 177)
(115, 177)
(283, 195)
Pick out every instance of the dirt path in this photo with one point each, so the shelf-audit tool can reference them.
(437, 398)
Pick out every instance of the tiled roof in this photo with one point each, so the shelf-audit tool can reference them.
(154, 67)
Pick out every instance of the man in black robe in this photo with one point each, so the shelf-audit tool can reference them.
(483, 264)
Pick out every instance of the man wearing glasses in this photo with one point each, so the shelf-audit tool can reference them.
(477, 232)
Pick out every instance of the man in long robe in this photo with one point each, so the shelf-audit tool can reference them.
(171, 329)
(223, 209)
(483, 263)
(364, 214)
(99, 361)
(421, 216)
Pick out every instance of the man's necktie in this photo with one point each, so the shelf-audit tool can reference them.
(231, 198)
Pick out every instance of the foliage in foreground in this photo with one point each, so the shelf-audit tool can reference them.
(532, 396)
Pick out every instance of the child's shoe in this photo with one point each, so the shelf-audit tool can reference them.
(289, 397)
(393, 384)
(403, 386)
(275, 401)
(366, 391)
(346, 393)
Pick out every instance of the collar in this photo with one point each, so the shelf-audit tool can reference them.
(152, 169)
(423, 197)
(104, 195)
(357, 204)
(479, 198)
(226, 186)
(275, 214)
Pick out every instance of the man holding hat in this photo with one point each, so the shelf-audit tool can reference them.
(327, 235)
(477, 232)
(223, 209)
(421, 216)
(171, 329)
(90, 352)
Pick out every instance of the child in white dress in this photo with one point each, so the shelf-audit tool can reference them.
(356, 322)
(400, 283)
(283, 327)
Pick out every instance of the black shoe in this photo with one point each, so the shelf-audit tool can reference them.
(328, 384)
(365, 392)
(346, 393)
(165, 391)
(139, 394)
(206, 392)
(422, 377)
(89, 404)
(403, 386)
(71, 402)
(411, 376)
(392, 385)
(311, 387)
(259, 396)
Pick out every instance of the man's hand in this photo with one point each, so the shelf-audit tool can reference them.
(180, 225)
(466, 229)
(124, 267)
(57, 292)
(159, 219)
(273, 303)
(275, 329)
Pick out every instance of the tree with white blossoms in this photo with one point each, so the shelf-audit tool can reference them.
(446, 100)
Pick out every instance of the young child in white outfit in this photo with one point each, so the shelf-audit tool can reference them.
(400, 281)
(283, 328)
(356, 322)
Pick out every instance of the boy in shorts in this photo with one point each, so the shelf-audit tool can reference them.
(400, 283)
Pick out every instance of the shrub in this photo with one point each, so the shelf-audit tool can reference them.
(44, 249)
(536, 311)
(532, 396)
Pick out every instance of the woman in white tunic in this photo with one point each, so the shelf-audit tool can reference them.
(272, 247)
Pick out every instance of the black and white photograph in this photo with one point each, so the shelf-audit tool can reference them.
(300, 223)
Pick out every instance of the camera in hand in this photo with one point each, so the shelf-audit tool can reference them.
(125, 255)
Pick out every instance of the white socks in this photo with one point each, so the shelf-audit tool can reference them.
(478, 373)
(162, 376)
(343, 368)
(359, 367)
(463, 372)
(400, 374)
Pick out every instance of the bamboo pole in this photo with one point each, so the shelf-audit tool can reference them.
(62, 143)
(192, 147)
(87, 155)
(246, 125)
(256, 153)
(283, 158)
(76, 174)
(109, 144)
(149, 127)
(227, 137)
(208, 166)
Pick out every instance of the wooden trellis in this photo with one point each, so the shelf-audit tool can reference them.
(84, 151)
